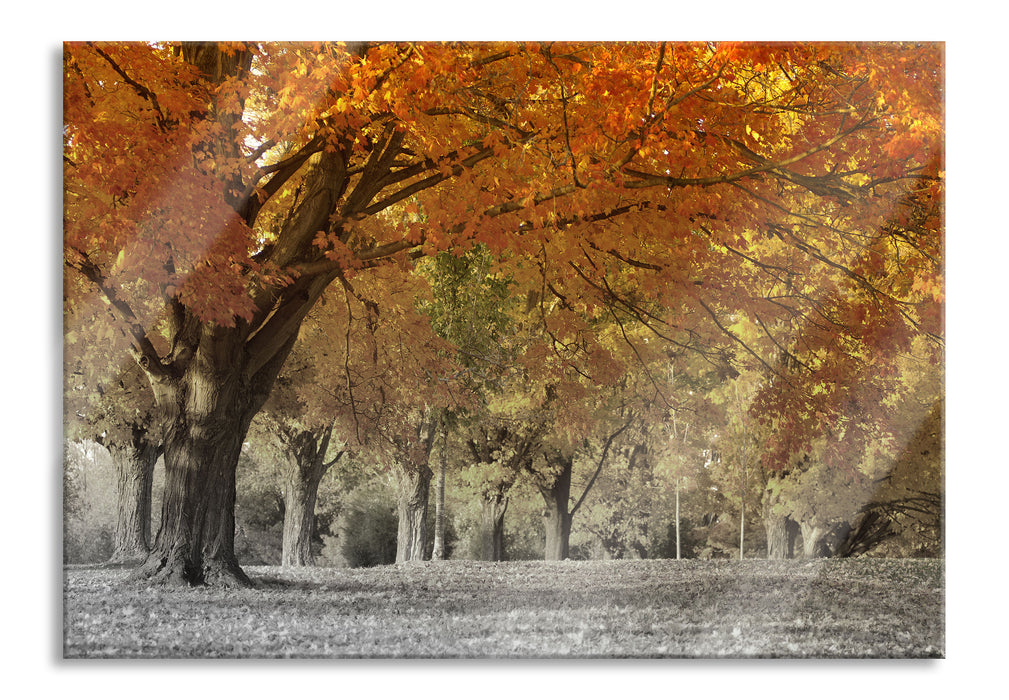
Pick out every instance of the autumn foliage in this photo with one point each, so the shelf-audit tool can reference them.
(776, 206)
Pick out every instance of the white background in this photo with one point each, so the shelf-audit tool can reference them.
(976, 318)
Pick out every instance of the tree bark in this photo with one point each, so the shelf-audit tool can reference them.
(812, 541)
(677, 517)
(411, 538)
(414, 477)
(207, 411)
(196, 542)
(781, 534)
(438, 551)
(299, 519)
(134, 464)
(492, 513)
(781, 530)
(306, 467)
(556, 517)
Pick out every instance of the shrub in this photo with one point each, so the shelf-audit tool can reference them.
(365, 530)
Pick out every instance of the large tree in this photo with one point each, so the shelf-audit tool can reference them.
(214, 191)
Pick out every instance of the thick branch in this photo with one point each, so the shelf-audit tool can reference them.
(376, 168)
(254, 196)
(323, 186)
(141, 90)
(426, 183)
(141, 348)
(283, 324)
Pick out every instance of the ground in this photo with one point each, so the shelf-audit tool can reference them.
(458, 609)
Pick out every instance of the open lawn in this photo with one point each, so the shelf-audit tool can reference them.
(530, 609)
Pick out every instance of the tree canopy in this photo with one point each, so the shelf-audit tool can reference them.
(778, 205)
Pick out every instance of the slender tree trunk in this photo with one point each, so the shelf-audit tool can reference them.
(677, 518)
(556, 517)
(744, 459)
(438, 552)
(411, 538)
(134, 464)
(492, 513)
(742, 531)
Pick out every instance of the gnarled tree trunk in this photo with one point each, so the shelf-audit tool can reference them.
(207, 411)
(781, 530)
(813, 545)
(414, 477)
(411, 538)
(134, 464)
(781, 535)
(300, 492)
(306, 466)
(215, 377)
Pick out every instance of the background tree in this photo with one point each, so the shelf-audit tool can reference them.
(113, 406)
(472, 309)
(385, 388)
(305, 456)
(677, 448)
(739, 445)
(498, 453)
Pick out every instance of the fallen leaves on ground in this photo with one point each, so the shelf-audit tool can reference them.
(649, 608)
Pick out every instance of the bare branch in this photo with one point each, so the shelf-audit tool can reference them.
(141, 90)
(599, 467)
(141, 348)
(739, 340)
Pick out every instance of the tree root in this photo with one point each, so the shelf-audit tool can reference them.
(159, 570)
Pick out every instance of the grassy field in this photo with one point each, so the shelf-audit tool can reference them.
(457, 609)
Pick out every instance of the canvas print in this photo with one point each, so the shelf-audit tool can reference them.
(503, 350)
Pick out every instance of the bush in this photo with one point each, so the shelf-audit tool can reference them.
(365, 531)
